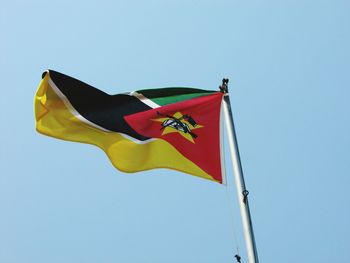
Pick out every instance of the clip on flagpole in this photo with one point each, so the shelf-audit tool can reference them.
(242, 192)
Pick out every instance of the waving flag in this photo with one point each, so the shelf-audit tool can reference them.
(176, 128)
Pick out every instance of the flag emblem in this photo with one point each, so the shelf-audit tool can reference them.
(183, 124)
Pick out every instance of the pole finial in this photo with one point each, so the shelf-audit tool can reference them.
(224, 87)
(238, 258)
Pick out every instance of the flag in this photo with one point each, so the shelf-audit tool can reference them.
(176, 128)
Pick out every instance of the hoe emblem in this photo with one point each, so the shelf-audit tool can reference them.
(184, 123)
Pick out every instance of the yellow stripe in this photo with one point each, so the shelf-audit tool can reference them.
(55, 120)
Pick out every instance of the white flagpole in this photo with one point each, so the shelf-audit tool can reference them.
(242, 192)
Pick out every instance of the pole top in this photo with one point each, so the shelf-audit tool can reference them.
(224, 87)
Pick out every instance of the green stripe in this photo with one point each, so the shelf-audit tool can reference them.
(167, 96)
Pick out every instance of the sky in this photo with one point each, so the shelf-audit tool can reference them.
(288, 63)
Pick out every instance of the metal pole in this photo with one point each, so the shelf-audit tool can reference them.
(242, 192)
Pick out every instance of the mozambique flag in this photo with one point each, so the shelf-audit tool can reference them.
(176, 128)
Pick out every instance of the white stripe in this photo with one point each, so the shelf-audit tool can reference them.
(145, 100)
(136, 140)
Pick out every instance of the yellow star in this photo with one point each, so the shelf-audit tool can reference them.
(171, 128)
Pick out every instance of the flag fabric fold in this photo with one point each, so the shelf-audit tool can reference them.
(175, 128)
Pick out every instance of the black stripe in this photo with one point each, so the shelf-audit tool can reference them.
(98, 107)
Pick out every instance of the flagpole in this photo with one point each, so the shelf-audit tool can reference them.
(242, 192)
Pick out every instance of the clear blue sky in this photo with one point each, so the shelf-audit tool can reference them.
(289, 69)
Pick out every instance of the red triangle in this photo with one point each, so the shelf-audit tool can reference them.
(204, 149)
